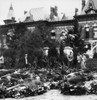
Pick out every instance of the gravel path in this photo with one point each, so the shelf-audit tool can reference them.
(55, 95)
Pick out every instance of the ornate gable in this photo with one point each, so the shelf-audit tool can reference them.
(90, 7)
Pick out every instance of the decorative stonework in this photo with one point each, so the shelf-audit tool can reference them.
(59, 29)
(88, 23)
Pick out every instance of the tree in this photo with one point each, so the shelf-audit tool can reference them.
(73, 40)
(16, 35)
(77, 42)
(32, 43)
(9, 56)
(13, 40)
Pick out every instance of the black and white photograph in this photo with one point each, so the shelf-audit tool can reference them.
(48, 49)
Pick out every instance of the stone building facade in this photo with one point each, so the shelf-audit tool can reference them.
(87, 20)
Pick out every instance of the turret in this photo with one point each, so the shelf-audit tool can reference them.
(83, 4)
(10, 17)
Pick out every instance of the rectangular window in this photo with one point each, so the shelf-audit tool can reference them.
(31, 28)
(95, 32)
(87, 33)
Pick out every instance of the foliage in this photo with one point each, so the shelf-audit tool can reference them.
(32, 43)
(9, 56)
(95, 55)
(14, 39)
(73, 38)
(13, 44)
(53, 52)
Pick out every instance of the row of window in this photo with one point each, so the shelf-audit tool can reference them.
(87, 32)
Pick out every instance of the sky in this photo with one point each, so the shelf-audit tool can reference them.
(19, 6)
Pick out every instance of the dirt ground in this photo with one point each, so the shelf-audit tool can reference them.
(55, 95)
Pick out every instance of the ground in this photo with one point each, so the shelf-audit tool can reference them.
(55, 95)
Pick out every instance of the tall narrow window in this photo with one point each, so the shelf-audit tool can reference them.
(87, 33)
(95, 32)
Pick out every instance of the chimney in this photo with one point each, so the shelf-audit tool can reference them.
(83, 4)
(25, 12)
(76, 11)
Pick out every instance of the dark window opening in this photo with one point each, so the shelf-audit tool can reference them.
(87, 33)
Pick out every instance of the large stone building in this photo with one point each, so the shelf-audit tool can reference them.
(87, 20)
